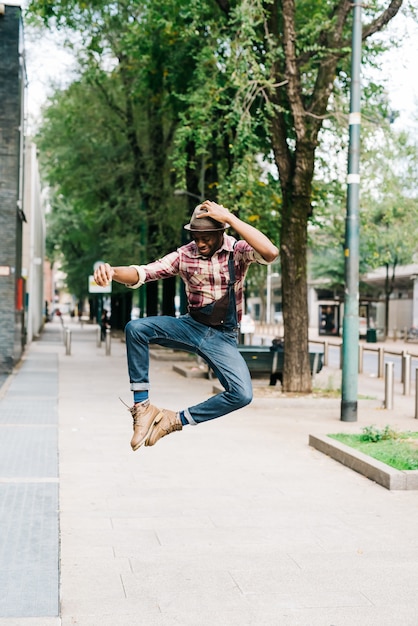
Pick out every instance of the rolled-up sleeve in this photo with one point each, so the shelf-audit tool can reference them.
(165, 267)
(141, 276)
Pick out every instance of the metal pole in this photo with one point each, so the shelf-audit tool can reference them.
(416, 393)
(268, 295)
(108, 341)
(68, 342)
(406, 360)
(315, 366)
(326, 353)
(360, 358)
(99, 308)
(99, 337)
(349, 384)
(389, 385)
(404, 353)
(381, 360)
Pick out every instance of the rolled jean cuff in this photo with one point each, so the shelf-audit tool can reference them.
(189, 418)
(140, 386)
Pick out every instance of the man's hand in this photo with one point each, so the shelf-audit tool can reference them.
(104, 274)
(254, 237)
(216, 211)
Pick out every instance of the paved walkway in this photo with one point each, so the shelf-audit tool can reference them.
(237, 522)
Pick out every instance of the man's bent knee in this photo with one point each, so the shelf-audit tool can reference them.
(244, 397)
(129, 329)
(133, 327)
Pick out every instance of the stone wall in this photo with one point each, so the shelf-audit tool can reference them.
(11, 213)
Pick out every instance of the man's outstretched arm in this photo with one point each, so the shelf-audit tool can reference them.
(125, 275)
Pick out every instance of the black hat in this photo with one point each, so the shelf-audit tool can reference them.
(204, 224)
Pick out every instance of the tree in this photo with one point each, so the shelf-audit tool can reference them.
(130, 66)
(261, 78)
(286, 60)
(390, 207)
(94, 211)
(388, 212)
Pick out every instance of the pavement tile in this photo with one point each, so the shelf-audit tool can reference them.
(237, 522)
(29, 542)
(28, 452)
(29, 550)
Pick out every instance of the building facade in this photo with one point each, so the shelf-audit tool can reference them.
(326, 309)
(12, 288)
(22, 228)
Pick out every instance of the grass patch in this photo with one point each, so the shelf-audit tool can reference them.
(397, 449)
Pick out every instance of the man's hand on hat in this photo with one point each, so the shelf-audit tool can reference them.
(216, 211)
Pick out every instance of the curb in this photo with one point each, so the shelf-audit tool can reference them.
(192, 371)
(375, 470)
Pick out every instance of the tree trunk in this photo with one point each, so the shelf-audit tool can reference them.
(293, 257)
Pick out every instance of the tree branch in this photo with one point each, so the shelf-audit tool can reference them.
(294, 88)
(380, 22)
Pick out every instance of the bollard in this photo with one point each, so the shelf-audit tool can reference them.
(360, 358)
(380, 363)
(404, 353)
(416, 393)
(68, 342)
(64, 335)
(99, 337)
(315, 366)
(389, 385)
(325, 353)
(406, 361)
(108, 341)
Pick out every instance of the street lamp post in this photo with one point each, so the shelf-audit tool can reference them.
(349, 385)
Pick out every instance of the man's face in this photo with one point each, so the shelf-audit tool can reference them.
(207, 242)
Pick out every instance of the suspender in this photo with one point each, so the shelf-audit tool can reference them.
(231, 269)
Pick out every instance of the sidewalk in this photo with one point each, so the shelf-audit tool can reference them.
(237, 522)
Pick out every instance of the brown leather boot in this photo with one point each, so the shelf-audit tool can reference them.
(144, 415)
(165, 424)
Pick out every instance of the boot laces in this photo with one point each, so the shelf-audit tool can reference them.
(136, 410)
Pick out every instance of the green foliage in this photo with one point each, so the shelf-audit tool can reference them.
(374, 434)
(105, 141)
(396, 449)
(388, 208)
(214, 88)
(95, 211)
(389, 199)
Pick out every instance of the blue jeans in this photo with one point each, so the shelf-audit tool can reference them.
(217, 347)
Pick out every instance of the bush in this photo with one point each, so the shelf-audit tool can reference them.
(374, 434)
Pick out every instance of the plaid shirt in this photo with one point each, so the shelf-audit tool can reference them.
(205, 279)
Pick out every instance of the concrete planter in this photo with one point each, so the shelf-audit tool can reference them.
(377, 471)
